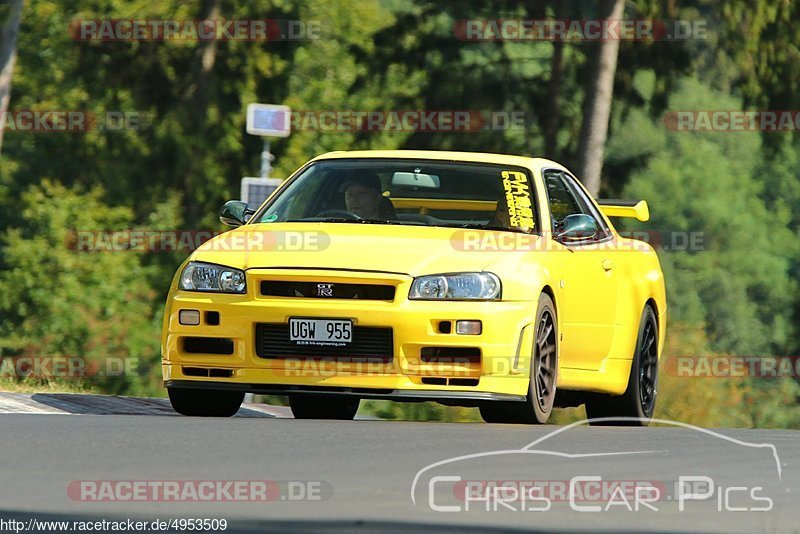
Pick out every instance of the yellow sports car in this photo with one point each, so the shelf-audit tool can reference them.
(464, 278)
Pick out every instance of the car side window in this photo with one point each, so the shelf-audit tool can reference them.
(562, 201)
(566, 198)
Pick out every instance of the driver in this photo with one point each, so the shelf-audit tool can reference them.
(362, 197)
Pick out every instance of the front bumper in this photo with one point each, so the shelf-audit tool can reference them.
(500, 372)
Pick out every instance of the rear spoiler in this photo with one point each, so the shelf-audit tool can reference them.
(613, 207)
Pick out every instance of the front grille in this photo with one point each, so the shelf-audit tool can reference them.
(455, 355)
(207, 345)
(370, 344)
(325, 290)
(207, 372)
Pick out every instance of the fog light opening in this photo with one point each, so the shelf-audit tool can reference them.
(469, 328)
(189, 317)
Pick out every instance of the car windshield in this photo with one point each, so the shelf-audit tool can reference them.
(407, 192)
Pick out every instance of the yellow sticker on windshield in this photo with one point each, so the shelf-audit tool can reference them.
(518, 199)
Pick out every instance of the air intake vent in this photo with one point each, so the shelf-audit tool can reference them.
(212, 373)
(207, 345)
(454, 355)
(326, 290)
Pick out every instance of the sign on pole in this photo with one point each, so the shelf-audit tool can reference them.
(256, 190)
(264, 120)
(268, 120)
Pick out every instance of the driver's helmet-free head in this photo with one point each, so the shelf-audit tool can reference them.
(370, 180)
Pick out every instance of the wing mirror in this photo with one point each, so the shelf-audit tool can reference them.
(578, 226)
(235, 213)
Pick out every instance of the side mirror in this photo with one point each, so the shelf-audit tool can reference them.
(235, 213)
(578, 226)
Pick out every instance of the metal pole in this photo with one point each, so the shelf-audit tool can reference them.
(266, 159)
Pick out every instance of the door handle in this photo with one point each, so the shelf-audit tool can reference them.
(608, 264)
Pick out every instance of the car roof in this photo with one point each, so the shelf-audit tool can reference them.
(443, 155)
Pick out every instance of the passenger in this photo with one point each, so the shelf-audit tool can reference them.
(501, 218)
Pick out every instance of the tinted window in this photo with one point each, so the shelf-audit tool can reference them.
(565, 197)
(561, 198)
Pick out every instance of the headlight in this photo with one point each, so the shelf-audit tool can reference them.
(458, 286)
(198, 276)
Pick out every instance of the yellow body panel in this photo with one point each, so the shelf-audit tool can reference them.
(599, 292)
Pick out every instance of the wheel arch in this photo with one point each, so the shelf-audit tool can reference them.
(547, 290)
(661, 320)
(653, 304)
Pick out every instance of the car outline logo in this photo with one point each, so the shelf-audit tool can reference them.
(529, 448)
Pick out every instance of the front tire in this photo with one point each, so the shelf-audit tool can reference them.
(639, 399)
(322, 407)
(205, 402)
(543, 375)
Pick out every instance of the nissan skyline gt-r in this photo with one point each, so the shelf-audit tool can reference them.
(464, 278)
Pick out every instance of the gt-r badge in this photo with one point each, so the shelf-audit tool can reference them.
(324, 290)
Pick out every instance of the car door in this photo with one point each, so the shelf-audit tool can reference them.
(589, 297)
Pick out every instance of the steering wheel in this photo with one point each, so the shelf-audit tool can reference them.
(344, 214)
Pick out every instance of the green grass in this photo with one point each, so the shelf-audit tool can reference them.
(13, 385)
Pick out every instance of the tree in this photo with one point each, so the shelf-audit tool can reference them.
(735, 281)
(597, 104)
(551, 122)
(9, 28)
(61, 299)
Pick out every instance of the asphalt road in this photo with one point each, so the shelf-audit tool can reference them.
(358, 475)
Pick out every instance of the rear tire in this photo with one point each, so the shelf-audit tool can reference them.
(639, 399)
(322, 407)
(205, 402)
(543, 375)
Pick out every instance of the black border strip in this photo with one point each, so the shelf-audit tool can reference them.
(366, 393)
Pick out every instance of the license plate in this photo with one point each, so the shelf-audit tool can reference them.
(336, 332)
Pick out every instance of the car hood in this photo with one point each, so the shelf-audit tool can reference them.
(412, 250)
